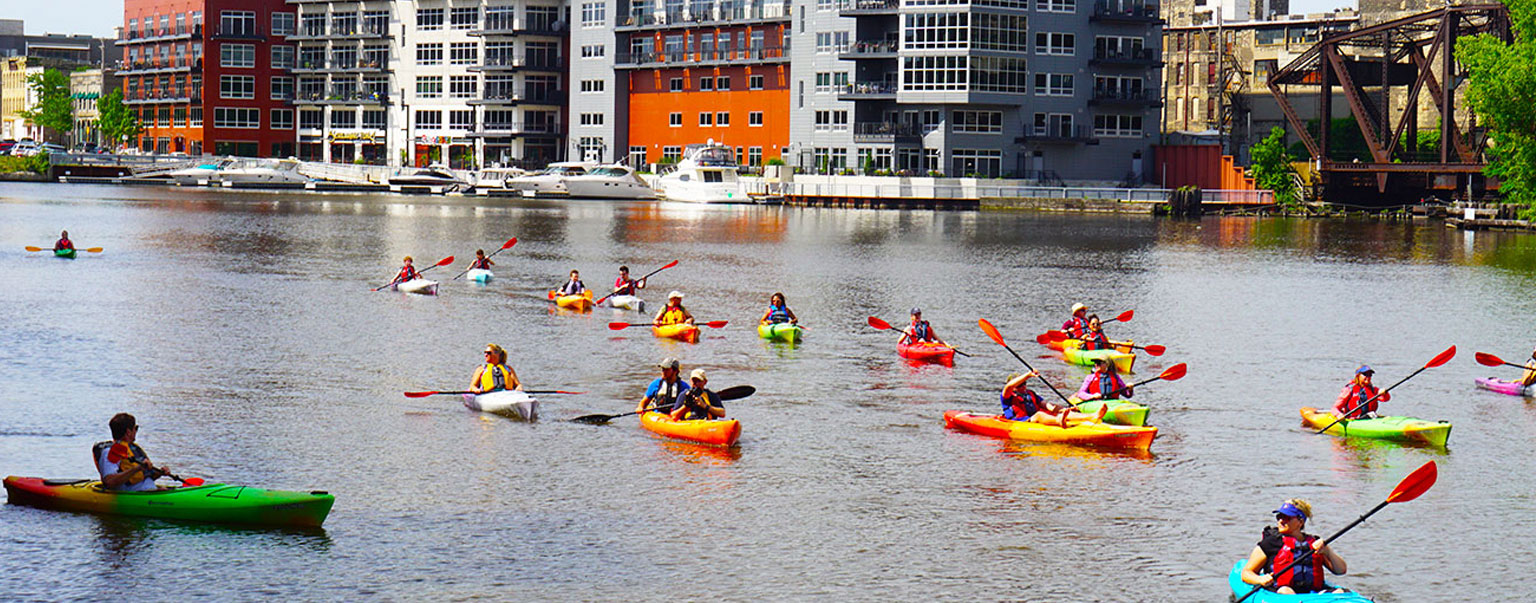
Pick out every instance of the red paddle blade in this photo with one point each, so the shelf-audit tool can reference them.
(1156, 350)
(879, 324)
(674, 263)
(715, 324)
(1175, 372)
(445, 261)
(991, 331)
(1415, 484)
(618, 326)
(1443, 358)
(1126, 316)
(418, 394)
(510, 242)
(552, 295)
(1486, 359)
(193, 481)
(1043, 338)
(1054, 335)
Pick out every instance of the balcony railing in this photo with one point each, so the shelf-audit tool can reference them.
(238, 33)
(503, 97)
(1064, 134)
(497, 63)
(1125, 12)
(367, 30)
(354, 97)
(715, 14)
(745, 55)
(885, 131)
(1147, 97)
(867, 90)
(515, 128)
(870, 49)
(160, 35)
(867, 7)
(162, 95)
(513, 27)
(152, 67)
(1136, 56)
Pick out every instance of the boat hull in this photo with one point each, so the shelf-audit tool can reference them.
(218, 503)
(508, 402)
(1084, 434)
(1397, 429)
(723, 433)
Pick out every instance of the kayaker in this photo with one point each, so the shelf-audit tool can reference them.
(1352, 400)
(1094, 337)
(674, 312)
(1078, 324)
(481, 262)
(1530, 371)
(407, 273)
(123, 464)
(1285, 542)
(64, 243)
(919, 330)
(662, 393)
(778, 311)
(624, 285)
(573, 286)
(698, 402)
(494, 375)
(1022, 404)
(1103, 382)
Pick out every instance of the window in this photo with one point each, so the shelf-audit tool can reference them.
(465, 17)
(671, 154)
(1056, 6)
(543, 18)
(343, 119)
(831, 121)
(463, 53)
(591, 119)
(282, 119)
(429, 54)
(936, 30)
(429, 86)
(375, 22)
(1268, 37)
(999, 74)
(986, 163)
(706, 83)
(375, 57)
(999, 32)
(282, 88)
(236, 23)
(675, 85)
(594, 14)
(237, 86)
(723, 82)
(311, 119)
(1053, 84)
(344, 23)
(588, 86)
(637, 154)
(706, 119)
(1059, 44)
(428, 19)
(429, 120)
(755, 118)
(593, 51)
(282, 57)
(754, 156)
(463, 86)
(977, 122)
(675, 120)
(722, 119)
(374, 120)
(755, 82)
(935, 73)
(283, 24)
(1117, 126)
(461, 120)
(827, 42)
(237, 55)
(236, 117)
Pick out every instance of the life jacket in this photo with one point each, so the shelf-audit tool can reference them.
(481, 264)
(623, 286)
(695, 399)
(1075, 327)
(778, 314)
(666, 395)
(1304, 577)
(64, 244)
(1096, 342)
(407, 273)
(1357, 396)
(572, 288)
(1107, 383)
(1022, 398)
(672, 316)
(920, 331)
(495, 377)
(128, 457)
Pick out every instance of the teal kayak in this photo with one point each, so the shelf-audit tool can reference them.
(1121, 412)
(68, 254)
(781, 332)
(1240, 588)
(219, 503)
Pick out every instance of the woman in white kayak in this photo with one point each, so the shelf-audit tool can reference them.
(408, 272)
(494, 375)
(481, 262)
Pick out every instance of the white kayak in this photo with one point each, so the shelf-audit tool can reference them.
(418, 285)
(627, 302)
(507, 401)
(480, 275)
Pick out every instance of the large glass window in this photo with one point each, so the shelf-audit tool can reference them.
(465, 17)
(238, 23)
(236, 117)
(237, 55)
(428, 19)
(429, 86)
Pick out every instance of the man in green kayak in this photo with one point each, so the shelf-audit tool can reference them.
(63, 244)
(664, 392)
(698, 402)
(1284, 544)
(122, 463)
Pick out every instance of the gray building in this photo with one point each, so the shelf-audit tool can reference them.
(65, 50)
(598, 93)
(1056, 91)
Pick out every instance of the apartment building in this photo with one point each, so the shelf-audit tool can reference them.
(1052, 90)
(86, 87)
(16, 95)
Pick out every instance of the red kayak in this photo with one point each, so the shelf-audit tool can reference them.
(925, 351)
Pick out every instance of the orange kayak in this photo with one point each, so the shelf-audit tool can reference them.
(681, 331)
(926, 351)
(580, 303)
(723, 432)
(1088, 434)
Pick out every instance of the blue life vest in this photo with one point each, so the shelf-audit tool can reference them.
(778, 314)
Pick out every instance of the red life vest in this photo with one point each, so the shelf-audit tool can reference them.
(1357, 396)
(481, 264)
(1075, 327)
(1096, 342)
(623, 286)
(1303, 577)
(407, 273)
(1111, 381)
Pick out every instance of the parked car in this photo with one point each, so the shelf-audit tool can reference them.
(25, 148)
(49, 148)
(5, 146)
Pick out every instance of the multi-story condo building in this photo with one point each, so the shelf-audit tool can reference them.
(224, 103)
(1054, 90)
(86, 87)
(16, 95)
(696, 70)
(339, 68)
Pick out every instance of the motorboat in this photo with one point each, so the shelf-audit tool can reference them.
(495, 178)
(235, 171)
(550, 181)
(199, 174)
(435, 175)
(611, 181)
(706, 174)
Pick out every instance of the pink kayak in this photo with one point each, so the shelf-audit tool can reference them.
(1512, 388)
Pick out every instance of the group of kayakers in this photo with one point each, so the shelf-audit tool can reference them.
(682, 400)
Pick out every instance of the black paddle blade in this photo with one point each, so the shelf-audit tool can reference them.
(593, 419)
(736, 393)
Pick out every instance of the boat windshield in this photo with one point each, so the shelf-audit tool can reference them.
(610, 171)
(710, 154)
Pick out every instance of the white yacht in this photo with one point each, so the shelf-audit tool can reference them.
(707, 174)
(551, 180)
(232, 170)
(611, 181)
(496, 178)
(200, 174)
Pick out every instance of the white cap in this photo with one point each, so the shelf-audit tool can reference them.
(1076, 307)
(675, 294)
(697, 373)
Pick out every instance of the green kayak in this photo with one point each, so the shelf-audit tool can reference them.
(1123, 361)
(781, 332)
(68, 254)
(1400, 429)
(1121, 412)
(220, 503)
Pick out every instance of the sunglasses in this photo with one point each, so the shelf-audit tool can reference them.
(1283, 517)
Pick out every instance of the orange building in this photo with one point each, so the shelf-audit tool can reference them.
(719, 75)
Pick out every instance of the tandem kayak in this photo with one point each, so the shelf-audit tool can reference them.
(68, 254)
(581, 302)
(1240, 588)
(1123, 361)
(723, 432)
(1400, 429)
(1089, 434)
(1121, 412)
(783, 331)
(626, 302)
(480, 275)
(1062, 344)
(508, 401)
(418, 285)
(220, 503)
(680, 331)
(1512, 388)
(926, 351)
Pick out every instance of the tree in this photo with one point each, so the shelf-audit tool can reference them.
(117, 123)
(1502, 92)
(1272, 166)
(54, 111)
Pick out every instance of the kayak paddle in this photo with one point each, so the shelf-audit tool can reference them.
(190, 481)
(455, 393)
(1441, 358)
(885, 326)
(619, 326)
(504, 246)
(1491, 360)
(729, 393)
(1172, 373)
(991, 331)
(652, 273)
(90, 250)
(1054, 336)
(1417, 483)
(443, 262)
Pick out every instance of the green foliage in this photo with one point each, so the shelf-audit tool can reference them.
(116, 121)
(1272, 167)
(53, 109)
(37, 164)
(1429, 146)
(1502, 92)
(1345, 142)
(776, 161)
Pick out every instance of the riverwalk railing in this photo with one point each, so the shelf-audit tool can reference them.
(969, 189)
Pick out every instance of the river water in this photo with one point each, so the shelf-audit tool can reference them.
(240, 329)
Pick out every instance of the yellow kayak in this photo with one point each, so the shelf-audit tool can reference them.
(579, 303)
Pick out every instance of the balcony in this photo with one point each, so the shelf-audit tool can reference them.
(854, 8)
(1058, 135)
(510, 27)
(716, 15)
(867, 91)
(650, 60)
(162, 96)
(366, 32)
(885, 131)
(515, 128)
(163, 35)
(238, 33)
(869, 49)
(1138, 57)
(1125, 12)
(498, 97)
(157, 67)
(1138, 98)
(503, 63)
(359, 97)
(337, 66)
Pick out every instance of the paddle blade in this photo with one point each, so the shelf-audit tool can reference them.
(1415, 484)
(879, 324)
(31, 248)
(98, 250)
(553, 295)
(593, 419)
(1443, 358)
(445, 261)
(1486, 359)
(1175, 372)
(192, 481)
(619, 326)
(991, 331)
(1156, 350)
(715, 324)
(510, 242)
(1043, 338)
(736, 393)
(420, 394)
(674, 263)
(1054, 335)
(1125, 316)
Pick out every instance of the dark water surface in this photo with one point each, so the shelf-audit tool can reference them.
(240, 329)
